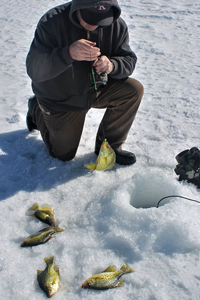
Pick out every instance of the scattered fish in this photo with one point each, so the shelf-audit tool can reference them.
(105, 160)
(44, 214)
(40, 237)
(49, 279)
(107, 279)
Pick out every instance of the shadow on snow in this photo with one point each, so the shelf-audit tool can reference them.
(25, 165)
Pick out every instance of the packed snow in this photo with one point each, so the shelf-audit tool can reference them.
(108, 217)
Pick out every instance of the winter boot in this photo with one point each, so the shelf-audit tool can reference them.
(122, 157)
(125, 157)
(32, 104)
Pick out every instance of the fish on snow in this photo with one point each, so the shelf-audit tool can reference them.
(105, 160)
(44, 214)
(41, 237)
(49, 279)
(107, 279)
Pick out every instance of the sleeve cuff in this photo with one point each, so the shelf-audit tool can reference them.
(114, 66)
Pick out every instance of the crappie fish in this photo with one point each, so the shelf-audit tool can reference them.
(44, 214)
(108, 279)
(105, 160)
(40, 237)
(49, 279)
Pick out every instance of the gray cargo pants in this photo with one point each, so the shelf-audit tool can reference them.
(62, 132)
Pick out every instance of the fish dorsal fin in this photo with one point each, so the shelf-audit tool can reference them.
(110, 269)
(48, 229)
(39, 232)
(45, 229)
(46, 207)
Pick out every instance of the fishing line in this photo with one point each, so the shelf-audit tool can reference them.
(95, 85)
(176, 196)
(103, 131)
(96, 89)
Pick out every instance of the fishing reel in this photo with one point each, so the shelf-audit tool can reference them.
(102, 78)
(188, 167)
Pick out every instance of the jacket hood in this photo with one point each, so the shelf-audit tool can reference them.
(81, 4)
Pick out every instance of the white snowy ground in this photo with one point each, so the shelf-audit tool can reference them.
(103, 213)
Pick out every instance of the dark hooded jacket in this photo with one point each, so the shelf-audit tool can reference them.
(61, 83)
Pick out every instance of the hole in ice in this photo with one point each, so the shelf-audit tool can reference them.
(147, 189)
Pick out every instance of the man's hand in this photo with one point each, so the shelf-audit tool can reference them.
(103, 64)
(84, 50)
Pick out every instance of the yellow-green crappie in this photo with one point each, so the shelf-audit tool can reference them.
(49, 279)
(108, 279)
(105, 160)
(40, 237)
(44, 214)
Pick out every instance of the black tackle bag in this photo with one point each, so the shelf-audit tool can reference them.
(188, 167)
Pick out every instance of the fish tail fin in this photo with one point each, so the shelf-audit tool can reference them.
(29, 213)
(126, 269)
(49, 261)
(58, 229)
(34, 207)
(91, 166)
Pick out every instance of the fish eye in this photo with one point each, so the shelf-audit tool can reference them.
(88, 284)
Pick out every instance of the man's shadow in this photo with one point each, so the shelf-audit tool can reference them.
(25, 165)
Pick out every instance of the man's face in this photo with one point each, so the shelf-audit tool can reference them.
(84, 24)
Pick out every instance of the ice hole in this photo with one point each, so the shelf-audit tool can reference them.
(147, 189)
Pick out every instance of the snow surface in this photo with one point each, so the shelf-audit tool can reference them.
(109, 217)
